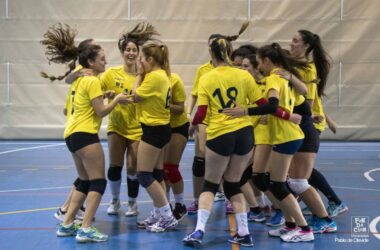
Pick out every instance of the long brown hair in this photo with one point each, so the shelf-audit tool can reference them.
(139, 35)
(160, 53)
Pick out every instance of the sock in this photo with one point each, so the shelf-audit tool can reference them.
(327, 219)
(260, 200)
(156, 212)
(165, 211)
(255, 210)
(86, 229)
(242, 223)
(305, 228)
(115, 188)
(290, 224)
(178, 198)
(133, 186)
(318, 181)
(202, 219)
(168, 196)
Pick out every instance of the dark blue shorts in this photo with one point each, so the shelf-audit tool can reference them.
(289, 148)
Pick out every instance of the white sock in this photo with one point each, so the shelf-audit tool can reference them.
(131, 200)
(115, 188)
(86, 229)
(202, 219)
(242, 223)
(132, 177)
(260, 200)
(156, 212)
(178, 198)
(165, 211)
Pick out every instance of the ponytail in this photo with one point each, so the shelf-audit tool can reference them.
(160, 54)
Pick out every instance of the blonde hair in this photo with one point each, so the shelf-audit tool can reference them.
(160, 54)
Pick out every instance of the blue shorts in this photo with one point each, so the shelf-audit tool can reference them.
(289, 148)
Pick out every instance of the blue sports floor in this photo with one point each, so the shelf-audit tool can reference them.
(36, 176)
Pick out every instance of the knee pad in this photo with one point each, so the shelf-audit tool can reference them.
(145, 178)
(198, 166)
(261, 181)
(133, 187)
(98, 185)
(210, 187)
(247, 174)
(279, 190)
(158, 175)
(231, 188)
(114, 172)
(171, 173)
(76, 182)
(83, 186)
(298, 186)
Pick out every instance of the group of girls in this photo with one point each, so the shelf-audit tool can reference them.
(281, 91)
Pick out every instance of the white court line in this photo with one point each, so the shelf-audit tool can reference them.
(366, 174)
(359, 189)
(30, 169)
(372, 227)
(29, 148)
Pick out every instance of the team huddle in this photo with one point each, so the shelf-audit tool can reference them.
(256, 128)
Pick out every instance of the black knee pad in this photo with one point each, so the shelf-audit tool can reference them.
(231, 188)
(145, 178)
(279, 189)
(158, 175)
(247, 174)
(83, 186)
(261, 181)
(133, 187)
(98, 185)
(210, 187)
(198, 166)
(76, 182)
(114, 172)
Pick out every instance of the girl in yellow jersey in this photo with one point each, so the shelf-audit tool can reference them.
(67, 111)
(198, 167)
(229, 141)
(152, 94)
(286, 137)
(124, 130)
(303, 43)
(179, 124)
(81, 133)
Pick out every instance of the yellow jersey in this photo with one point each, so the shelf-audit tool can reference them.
(84, 118)
(203, 69)
(178, 95)
(153, 110)
(261, 131)
(122, 118)
(281, 130)
(221, 88)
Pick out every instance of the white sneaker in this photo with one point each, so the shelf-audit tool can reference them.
(60, 215)
(114, 207)
(131, 209)
(219, 196)
(80, 214)
(280, 231)
(298, 236)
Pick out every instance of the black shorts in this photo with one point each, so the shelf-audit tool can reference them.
(239, 142)
(157, 136)
(311, 141)
(80, 140)
(182, 130)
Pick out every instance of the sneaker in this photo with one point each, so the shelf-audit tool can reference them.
(298, 236)
(219, 196)
(245, 240)
(147, 222)
(131, 209)
(276, 220)
(229, 208)
(67, 231)
(280, 231)
(306, 211)
(80, 214)
(179, 211)
(194, 239)
(312, 220)
(334, 210)
(93, 235)
(114, 207)
(267, 211)
(163, 224)
(60, 215)
(193, 208)
(322, 226)
(259, 217)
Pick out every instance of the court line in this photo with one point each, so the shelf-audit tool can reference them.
(29, 148)
(372, 227)
(366, 174)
